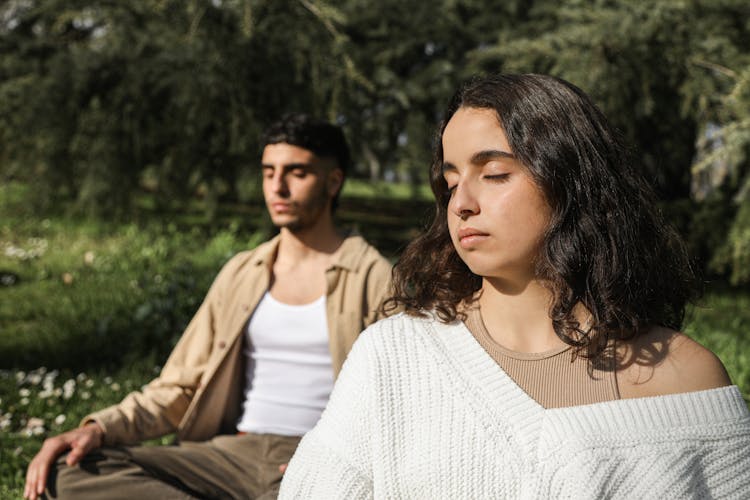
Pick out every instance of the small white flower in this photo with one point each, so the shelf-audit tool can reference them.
(24, 401)
(34, 378)
(20, 376)
(33, 427)
(115, 386)
(81, 377)
(69, 388)
(85, 394)
(89, 382)
(107, 380)
(24, 392)
(60, 419)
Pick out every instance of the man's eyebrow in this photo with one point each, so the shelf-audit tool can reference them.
(288, 166)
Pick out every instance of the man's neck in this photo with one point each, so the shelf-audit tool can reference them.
(303, 257)
(315, 241)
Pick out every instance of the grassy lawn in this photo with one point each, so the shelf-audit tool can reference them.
(98, 306)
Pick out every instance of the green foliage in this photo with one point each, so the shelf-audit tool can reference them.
(99, 99)
(733, 256)
(721, 322)
(729, 155)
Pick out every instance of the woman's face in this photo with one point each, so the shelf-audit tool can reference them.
(497, 215)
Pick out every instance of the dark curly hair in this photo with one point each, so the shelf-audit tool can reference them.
(322, 138)
(607, 245)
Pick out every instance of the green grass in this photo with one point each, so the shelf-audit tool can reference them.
(358, 188)
(90, 293)
(42, 402)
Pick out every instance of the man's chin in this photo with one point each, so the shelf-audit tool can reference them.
(292, 224)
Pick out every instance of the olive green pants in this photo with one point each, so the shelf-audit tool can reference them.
(237, 466)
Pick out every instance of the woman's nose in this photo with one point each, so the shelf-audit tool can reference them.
(463, 203)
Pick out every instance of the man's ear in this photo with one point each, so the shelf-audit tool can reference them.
(335, 181)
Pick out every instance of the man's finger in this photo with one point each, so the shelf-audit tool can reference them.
(30, 481)
(41, 478)
(76, 454)
(282, 468)
(80, 448)
(36, 475)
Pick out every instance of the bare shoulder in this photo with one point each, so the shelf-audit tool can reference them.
(664, 361)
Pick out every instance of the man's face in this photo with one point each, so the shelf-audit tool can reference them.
(298, 186)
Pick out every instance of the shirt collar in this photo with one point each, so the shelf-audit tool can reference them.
(347, 257)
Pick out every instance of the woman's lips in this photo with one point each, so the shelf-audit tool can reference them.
(469, 237)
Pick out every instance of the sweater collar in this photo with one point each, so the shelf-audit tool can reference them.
(665, 413)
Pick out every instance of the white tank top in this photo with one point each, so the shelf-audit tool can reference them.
(289, 375)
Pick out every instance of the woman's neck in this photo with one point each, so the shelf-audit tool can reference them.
(517, 315)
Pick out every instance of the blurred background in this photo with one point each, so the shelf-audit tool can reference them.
(129, 155)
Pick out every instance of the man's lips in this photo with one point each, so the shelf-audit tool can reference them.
(280, 206)
(468, 236)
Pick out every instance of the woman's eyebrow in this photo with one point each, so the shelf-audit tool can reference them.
(482, 157)
(479, 158)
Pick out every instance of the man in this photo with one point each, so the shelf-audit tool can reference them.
(254, 368)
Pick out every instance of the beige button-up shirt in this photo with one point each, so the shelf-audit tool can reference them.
(199, 391)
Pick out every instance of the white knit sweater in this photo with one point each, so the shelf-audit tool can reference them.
(421, 411)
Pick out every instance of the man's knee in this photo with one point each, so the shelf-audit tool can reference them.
(59, 477)
(79, 481)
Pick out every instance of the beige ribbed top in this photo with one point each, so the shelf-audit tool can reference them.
(552, 378)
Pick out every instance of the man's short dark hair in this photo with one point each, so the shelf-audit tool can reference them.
(322, 138)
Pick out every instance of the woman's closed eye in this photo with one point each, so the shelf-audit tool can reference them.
(497, 177)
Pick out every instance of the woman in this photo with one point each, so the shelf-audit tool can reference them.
(538, 355)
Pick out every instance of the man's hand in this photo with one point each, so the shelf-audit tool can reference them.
(79, 441)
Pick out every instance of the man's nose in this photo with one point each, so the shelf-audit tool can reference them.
(278, 184)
